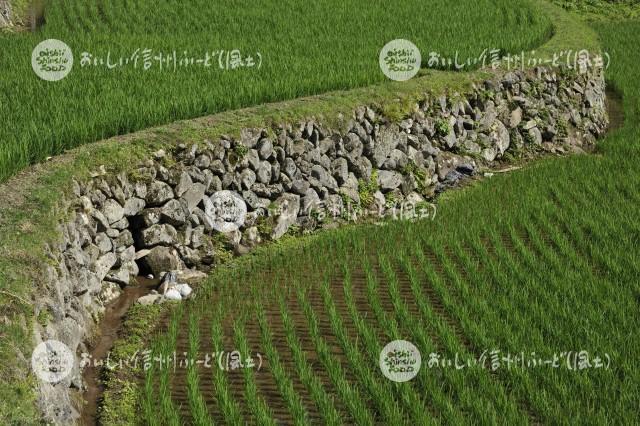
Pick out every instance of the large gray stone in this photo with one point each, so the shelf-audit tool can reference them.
(112, 210)
(162, 259)
(362, 168)
(309, 202)
(289, 167)
(389, 180)
(263, 173)
(340, 170)
(103, 265)
(500, 137)
(133, 206)
(286, 209)
(265, 149)
(159, 235)
(184, 183)
(109, 292)
(320, 177)
(103, 242)
(247, 178)
(193, 196)
(158, 193)
(174, 212)
(386, 142)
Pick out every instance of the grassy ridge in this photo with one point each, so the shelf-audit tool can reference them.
(306, 49)
(554, 269)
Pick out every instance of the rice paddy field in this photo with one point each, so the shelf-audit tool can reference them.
(541, 263)
(302, 48)
(553, 270)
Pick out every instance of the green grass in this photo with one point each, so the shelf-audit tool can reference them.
(553, 269)
(306, 48)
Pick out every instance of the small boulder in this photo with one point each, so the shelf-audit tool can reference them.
(389, 180)
(149, 299)
(161, 259)
(112, 211)
(184, 289)
(158, 193)
(173, 295)
(286, 208)
(159, 235)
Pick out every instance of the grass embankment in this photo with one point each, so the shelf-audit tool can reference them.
(31, 204)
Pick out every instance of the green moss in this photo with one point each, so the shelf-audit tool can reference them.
(563, 128)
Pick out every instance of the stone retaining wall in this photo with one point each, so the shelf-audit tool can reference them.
(6, 14)
(294, 178)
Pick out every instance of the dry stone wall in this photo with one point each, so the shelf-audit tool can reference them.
(6, 15)
(294, 177)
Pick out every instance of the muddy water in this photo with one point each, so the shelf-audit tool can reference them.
(109, 329)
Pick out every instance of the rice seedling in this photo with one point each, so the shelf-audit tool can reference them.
(197, 405)
(324, 401)
(283, 381)
(349, 394)
(227, 404)
(261, 411)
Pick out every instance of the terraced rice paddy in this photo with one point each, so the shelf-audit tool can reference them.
(306, 48)
(554, 269)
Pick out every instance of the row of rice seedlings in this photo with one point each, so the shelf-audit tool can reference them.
(164, 349)
(497, 400)
(557, 261)
(598, 230)
(528, 312)
(571, 249)
(379, 391)
(550, 257)
(197, 405)
(148, 400)
(524, 332)
(392, 331)
(578, 337)
(261, 412)
(480, 382)
(452, 307)
(461, 311)
(417, 407)
(324, 402)
(348, 392)
(283, 381)
(227, 405)
(565, 383)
